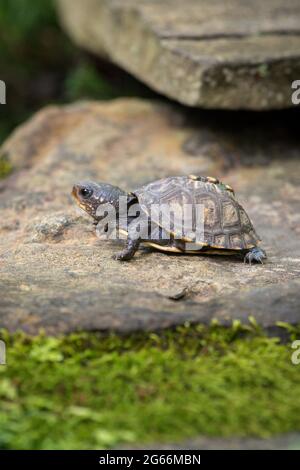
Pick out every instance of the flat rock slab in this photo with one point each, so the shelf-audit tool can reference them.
(280, 442)
(56, 275)
(212, 54)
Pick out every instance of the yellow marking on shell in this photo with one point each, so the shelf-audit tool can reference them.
(164, 247)
(187, 240)
(213, 180)
(229, 188)
(219, 248)
(173, 249)
(217, 251)
(209, 179)
(194, 177)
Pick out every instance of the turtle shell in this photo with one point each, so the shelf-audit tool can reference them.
(225, 223)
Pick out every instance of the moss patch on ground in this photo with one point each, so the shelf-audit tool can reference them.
(92, 391)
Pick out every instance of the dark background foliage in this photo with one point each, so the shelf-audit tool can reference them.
(40, 65)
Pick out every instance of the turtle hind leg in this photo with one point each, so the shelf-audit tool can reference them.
(255, 254)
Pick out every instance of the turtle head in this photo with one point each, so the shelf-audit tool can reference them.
(89, 196)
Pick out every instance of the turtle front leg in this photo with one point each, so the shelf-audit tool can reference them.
(129, 250)
(137, 232)
(255, 254)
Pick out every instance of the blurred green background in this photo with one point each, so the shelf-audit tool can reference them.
(40, 65)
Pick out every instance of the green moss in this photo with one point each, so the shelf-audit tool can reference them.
(91, 391)
(86, 82)
(5, 166)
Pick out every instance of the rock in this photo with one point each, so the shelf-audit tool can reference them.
(57, 276)
(50, 228)
(230, 55)
(289, 441)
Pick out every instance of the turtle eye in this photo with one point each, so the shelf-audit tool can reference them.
(85, 192)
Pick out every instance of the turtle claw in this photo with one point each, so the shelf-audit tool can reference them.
(255, 254)
(122, 256)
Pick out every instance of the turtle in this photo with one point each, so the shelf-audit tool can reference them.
(226, 227)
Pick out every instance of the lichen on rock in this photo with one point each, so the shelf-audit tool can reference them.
(5, 166)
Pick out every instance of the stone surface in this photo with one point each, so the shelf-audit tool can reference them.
(57, 275)
(211, 54)
(281, 442)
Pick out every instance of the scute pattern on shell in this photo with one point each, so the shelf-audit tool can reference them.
(226, 224)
